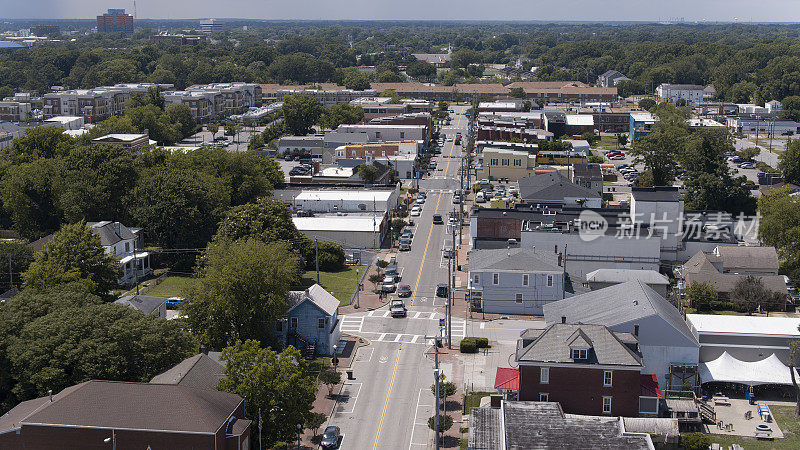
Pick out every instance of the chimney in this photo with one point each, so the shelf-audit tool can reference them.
(116, 228)
(560, 257)
(636, 330)
(563, 319)
(50, 393)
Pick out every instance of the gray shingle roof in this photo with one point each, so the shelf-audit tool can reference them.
(549, 187)
(543, 425)
(514, 260)
(656, 194)
(147, 304)
(112, 404)
(198, 371)
(620, 303)
(553, 345)
(625, 275)
(317, 295)
(748, 258)
(108, 232)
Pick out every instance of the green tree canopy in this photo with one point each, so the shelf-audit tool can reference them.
(40, 142)
(780, 228)
(368, 173)
(421, 69)
(276, 384)
(29, 198)
(701, 295)
(74, 254)
(789, 163)
(340, 113)
(242, 291)
(659, 149)
(300, 113)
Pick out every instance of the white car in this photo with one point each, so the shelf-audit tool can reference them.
(416, 211)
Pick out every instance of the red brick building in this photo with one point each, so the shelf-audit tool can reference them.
(107, 414)
(588, 369)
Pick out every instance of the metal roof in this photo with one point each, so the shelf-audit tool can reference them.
(344, 223)
(744, 325)
(625, 275)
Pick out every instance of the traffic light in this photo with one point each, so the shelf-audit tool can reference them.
(441, 323)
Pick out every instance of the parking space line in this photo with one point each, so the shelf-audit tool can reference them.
(355, 399)
(364, 349)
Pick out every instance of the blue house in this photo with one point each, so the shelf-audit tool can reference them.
(312, 321)
(641, 124)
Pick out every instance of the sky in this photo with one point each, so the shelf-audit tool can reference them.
(564, 10)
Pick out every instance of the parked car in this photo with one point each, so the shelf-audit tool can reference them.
(407, 232)
(749, 185)
(448, 252)
(437, 219)
(397, 308)
(352, 258)
(420, 199)
(288, 157)
(404, 290)
(330, 438)
(747, 165)
(174, 302)
(404, 247)
(441, 290)
(480, 198)
(415, 211)
(388, 284)
(391, 271)
(456, 199)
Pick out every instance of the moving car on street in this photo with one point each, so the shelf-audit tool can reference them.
(397, 308)
(404, 290)
(441, 290)
(437, 219)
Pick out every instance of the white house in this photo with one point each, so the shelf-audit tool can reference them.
(691, 93)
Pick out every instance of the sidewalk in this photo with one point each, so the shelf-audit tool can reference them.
(367, 298)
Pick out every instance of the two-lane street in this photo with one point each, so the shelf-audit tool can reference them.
(389, 402)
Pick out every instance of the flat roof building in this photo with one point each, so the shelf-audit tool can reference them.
(115, 21)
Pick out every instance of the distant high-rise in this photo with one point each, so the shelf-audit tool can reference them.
(210, 25)
(114, 21)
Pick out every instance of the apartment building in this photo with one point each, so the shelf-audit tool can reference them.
(216, 100)
(497, 163)
(328, 97)
(608, 119)
(115, 21)
(15, 111)
(691, 93)
(96, 104)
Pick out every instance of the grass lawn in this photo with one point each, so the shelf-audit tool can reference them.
(340, 284)
(721, 312)
(784, 415)
(174, 286)
(609, 143)
(473, 400)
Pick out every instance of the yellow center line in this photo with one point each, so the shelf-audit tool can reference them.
(424, 254)
(386, 401)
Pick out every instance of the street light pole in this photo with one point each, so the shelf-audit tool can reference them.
(299, 428)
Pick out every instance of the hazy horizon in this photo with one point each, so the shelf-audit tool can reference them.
(783, 11)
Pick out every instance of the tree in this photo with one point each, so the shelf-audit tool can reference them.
(446, 389)
(368, 173)
(398, 224)
(181, 116)
(791, 107)
(315, 421)
(389, 77)
(29, 199)
(445, 422)
(659, 149)
(331, 257)
(330, 378)
(695, 441)
(341, 113)
(779, 226)
(276, 384)
(421, 69)
(794, 362)
(706, 191)
(789, 163)
(517, 92)
(300, 113)
(242, 291)
(72, 344)
(178, 208)
(701, 295)
(391, 94)
(647, 104)
(213, 128)
(74, 254)
(16, 256)
(354, 79)
(622, 140)
(750, 293)
(40, 142)
(590, 137)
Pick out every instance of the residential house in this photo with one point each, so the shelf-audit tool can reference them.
(147, 304)
(640, 124)
(588, 369)
(199, 371)
(543, 425)
(611, 78)
(603, 278)
(312, 321)
(726, 265)
(514, 280)
(497, 163)
(692, 94)
(634, 307)
(128, 415)
(437, 59)
(554, 189)
(589, 176)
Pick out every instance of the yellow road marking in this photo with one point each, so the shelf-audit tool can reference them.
(424, 253)
(386, 402)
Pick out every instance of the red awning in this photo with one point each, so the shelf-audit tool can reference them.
(649, 386)
(506, 378)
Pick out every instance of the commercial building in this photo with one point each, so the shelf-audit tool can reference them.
(603, 278)
(765, 126)
(371, 151)
(565, 91)
(45, 30)
(209, 26)
(514, 280)
(177, 39)
(640, 124)
(555, 190)
(216, 100)
(15, 111)
(199, 371)
(577, 124)
(346, 200)
(609, 119)
(692, 94)
(131, 415)
(328, 97)
(115, 21)
(350, 230)
(543, 425)
(588, 369)
(496, 163)
(386, 133)
(500, 106)
(127, 141)
(665, 341)
(65, 122)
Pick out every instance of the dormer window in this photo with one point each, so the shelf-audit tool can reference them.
(580, 353)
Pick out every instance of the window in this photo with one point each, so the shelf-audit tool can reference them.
(518, 298)
(517, 163)
(127, 247)
(402, 135)
(544, 397)
(294, 322)
(549, 280)
(476, 279)
(505, 162)
(544, 375)
(493, 162)
(607, 378)
(525, 279)
(495, 278)
(377, 135)
(606, 405)
(580, 353)
(321, 323)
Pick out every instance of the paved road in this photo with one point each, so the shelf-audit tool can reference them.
(389, 402)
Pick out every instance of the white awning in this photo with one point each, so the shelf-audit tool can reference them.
(726, 368)
(129, 258)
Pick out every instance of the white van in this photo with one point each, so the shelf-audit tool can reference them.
(480, 198)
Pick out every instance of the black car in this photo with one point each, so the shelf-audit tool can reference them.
(437, 219)
(404, 290)
(330, 438)
(441, 290)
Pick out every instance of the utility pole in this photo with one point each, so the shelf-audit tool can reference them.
(10, 272)
(316, 250)
(451, 272)
(358, 287)
(436, 383)
(135, 267)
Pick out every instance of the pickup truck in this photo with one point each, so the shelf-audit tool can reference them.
(397, 308)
